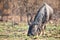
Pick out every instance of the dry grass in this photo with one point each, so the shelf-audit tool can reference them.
(19, 32)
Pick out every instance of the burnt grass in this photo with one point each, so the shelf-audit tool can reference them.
(8, 31)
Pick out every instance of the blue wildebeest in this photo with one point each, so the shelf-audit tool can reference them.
(37, 26)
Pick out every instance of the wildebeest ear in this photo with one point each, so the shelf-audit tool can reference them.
(29, 19)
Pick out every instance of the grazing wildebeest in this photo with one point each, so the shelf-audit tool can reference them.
(37, 26)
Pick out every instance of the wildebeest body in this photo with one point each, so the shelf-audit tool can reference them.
(43, 15)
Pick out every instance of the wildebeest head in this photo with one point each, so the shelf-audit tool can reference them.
(32, 30)
(32, 26)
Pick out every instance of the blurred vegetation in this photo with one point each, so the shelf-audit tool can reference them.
(13, 10)
(19, 32)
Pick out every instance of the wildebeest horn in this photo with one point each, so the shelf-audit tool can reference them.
(29, 19)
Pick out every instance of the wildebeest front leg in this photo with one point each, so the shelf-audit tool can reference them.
(43, 29)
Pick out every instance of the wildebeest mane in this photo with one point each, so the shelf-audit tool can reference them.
(38, 12)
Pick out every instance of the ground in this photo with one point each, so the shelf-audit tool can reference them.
(19, 32)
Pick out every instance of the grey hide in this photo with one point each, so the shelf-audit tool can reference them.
(43, 15)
